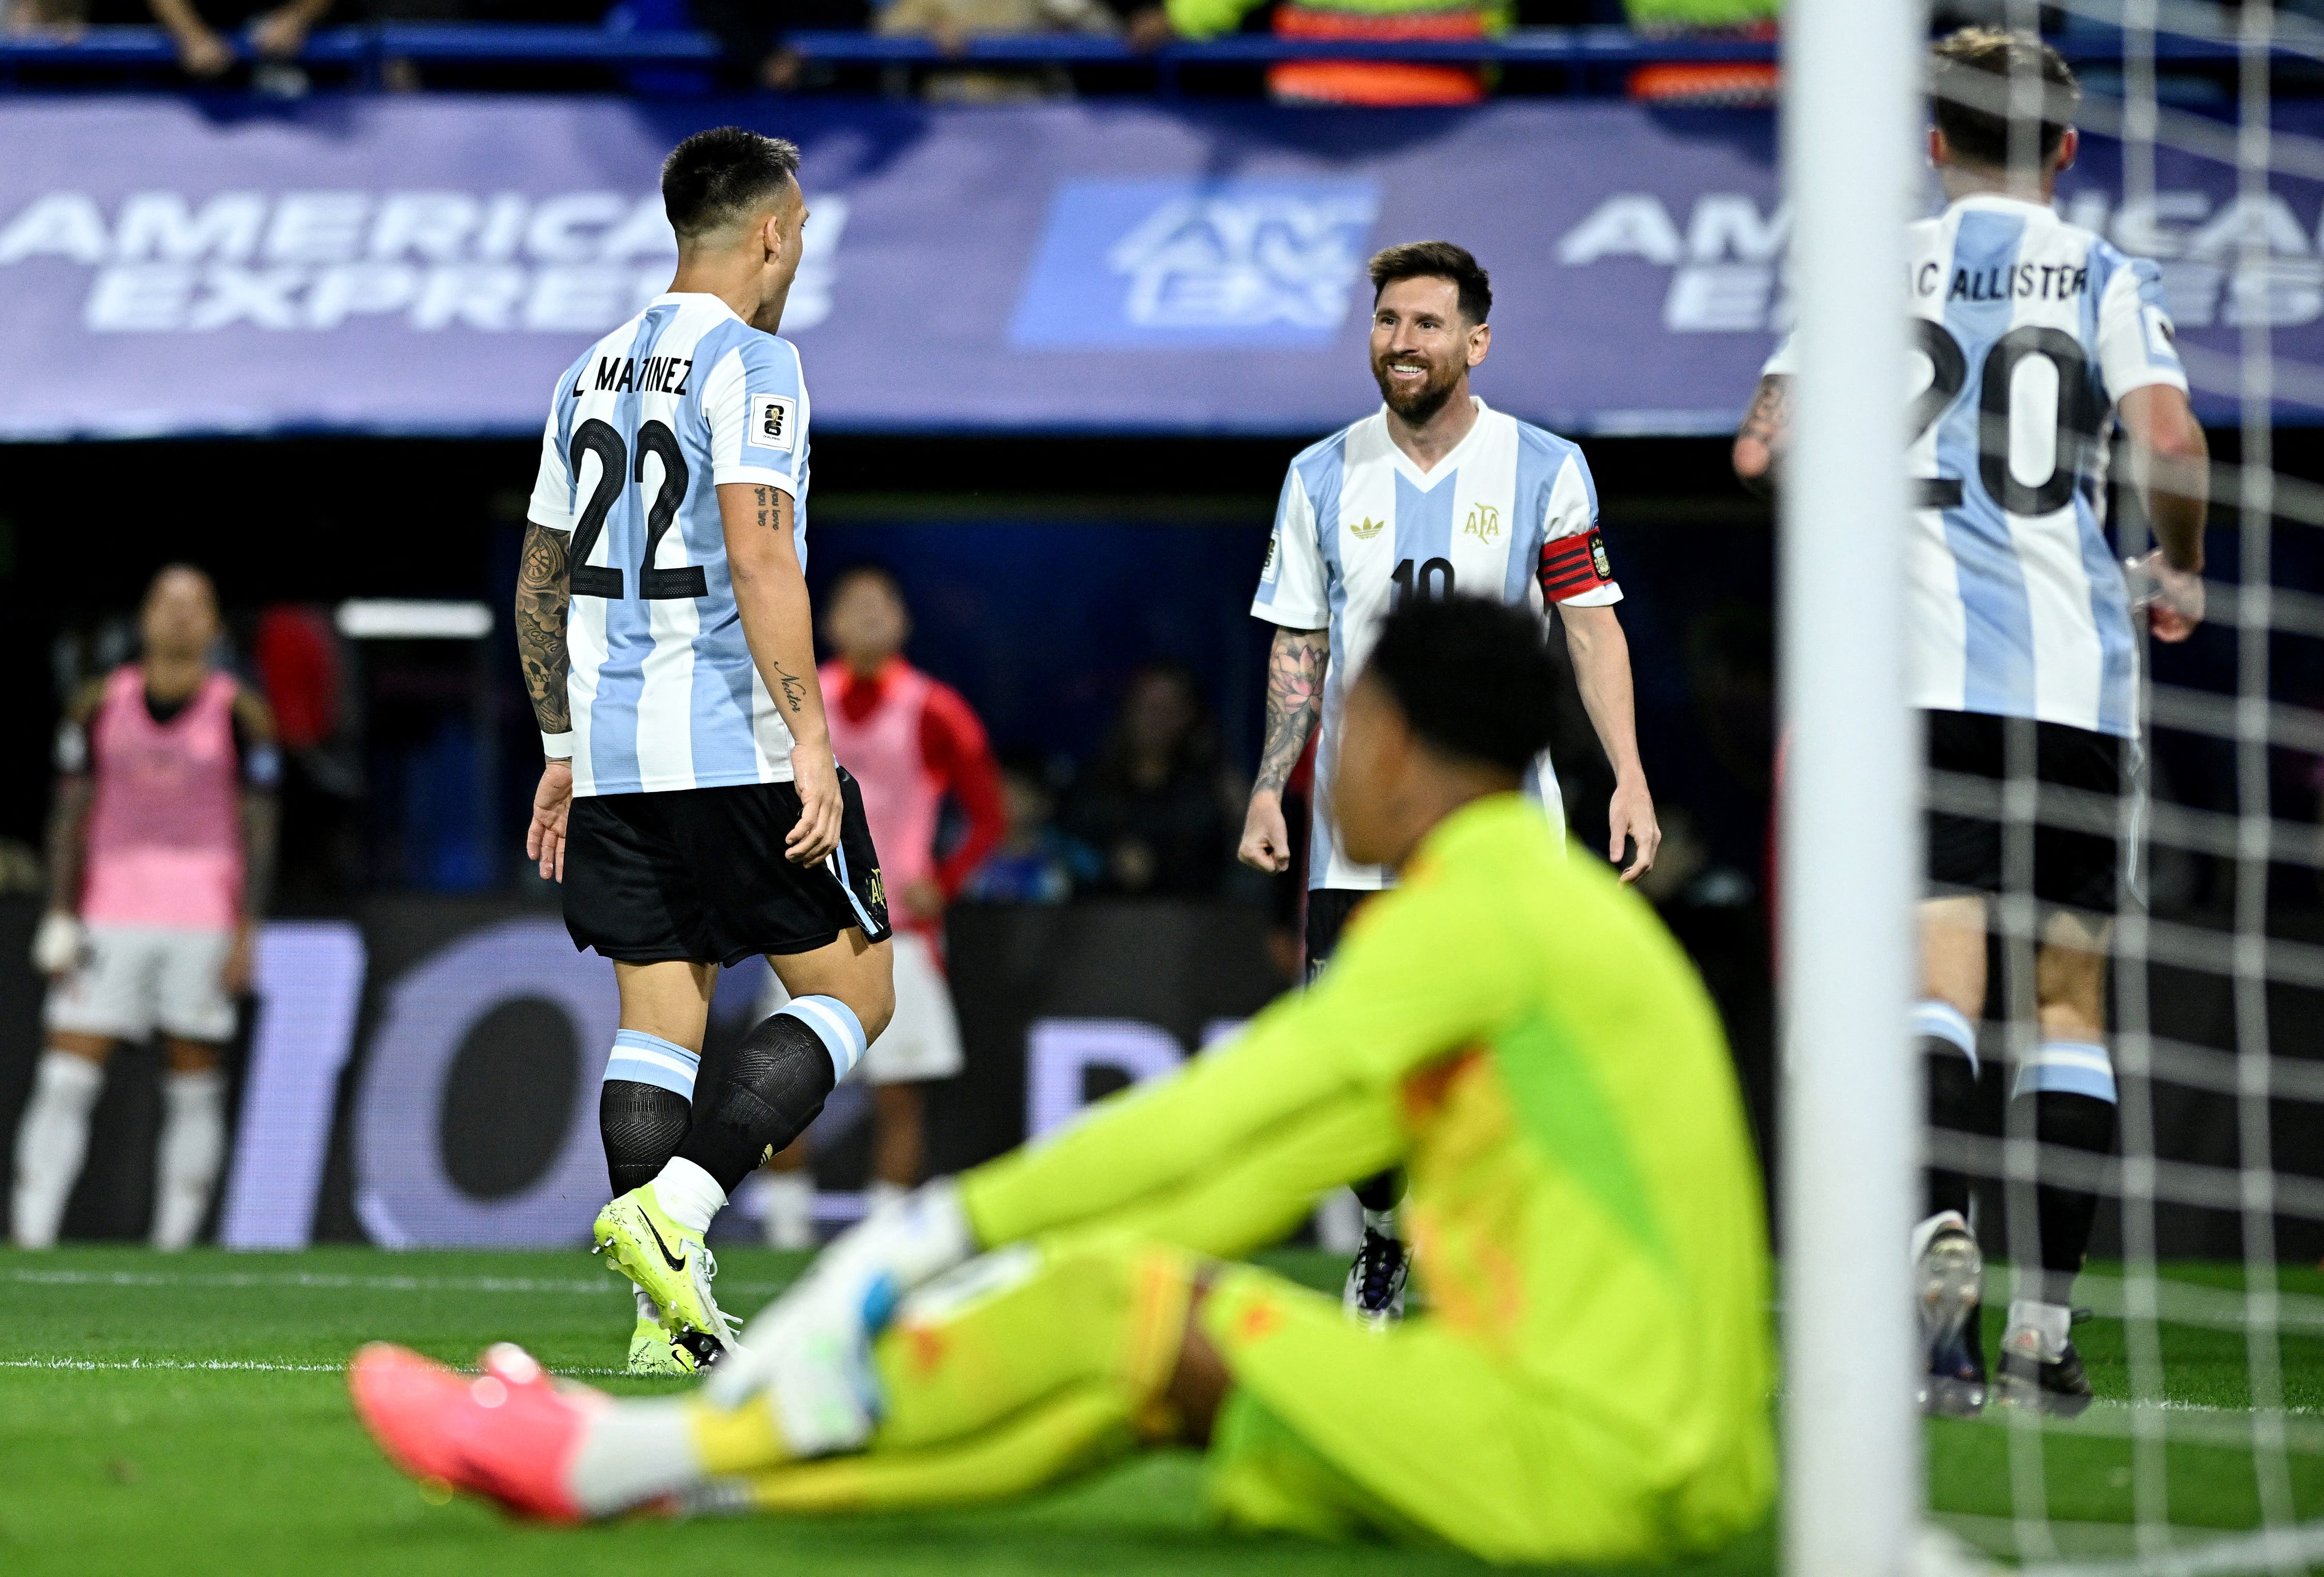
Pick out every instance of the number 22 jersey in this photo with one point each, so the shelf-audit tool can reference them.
(646, 426)
(2027, 332)
(1509, 512)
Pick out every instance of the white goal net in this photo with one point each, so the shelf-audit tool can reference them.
(2199, 1313)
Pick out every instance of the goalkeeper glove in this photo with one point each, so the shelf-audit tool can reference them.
(813, 1345)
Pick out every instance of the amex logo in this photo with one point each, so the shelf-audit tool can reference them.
(1193, 264)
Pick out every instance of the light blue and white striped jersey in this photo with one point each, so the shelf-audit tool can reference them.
(646, 426)
(1511, 513)
(2028, 332)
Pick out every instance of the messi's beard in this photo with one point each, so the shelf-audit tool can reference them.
(1419, 406)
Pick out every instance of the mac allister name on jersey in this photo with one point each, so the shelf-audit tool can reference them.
(2028, 332)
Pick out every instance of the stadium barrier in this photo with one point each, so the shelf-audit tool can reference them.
(424, 1072)
(110, 49)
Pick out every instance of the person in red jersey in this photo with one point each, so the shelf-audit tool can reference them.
(161, 854)
(912, 743)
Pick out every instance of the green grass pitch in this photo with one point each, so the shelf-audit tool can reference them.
(186, 1414)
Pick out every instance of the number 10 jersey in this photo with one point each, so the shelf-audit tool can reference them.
(2027, 332)
(646, 426)
(1510, 513)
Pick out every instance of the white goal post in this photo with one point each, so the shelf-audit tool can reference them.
(1850, 1106)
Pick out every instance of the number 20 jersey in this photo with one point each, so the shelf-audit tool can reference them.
(2027, 332)
(646, 426)
(1511, 513)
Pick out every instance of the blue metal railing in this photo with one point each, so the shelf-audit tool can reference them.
(103, 50)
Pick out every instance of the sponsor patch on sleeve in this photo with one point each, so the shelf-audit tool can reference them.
(774, 419)
(1267, 571)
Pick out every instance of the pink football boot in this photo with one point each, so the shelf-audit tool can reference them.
(508, 1434)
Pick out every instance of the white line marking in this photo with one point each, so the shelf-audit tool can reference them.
(600, 1286)
(220, 1365)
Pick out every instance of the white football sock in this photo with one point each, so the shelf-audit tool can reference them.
(789, 1201)
(51, 1140)
(647, 1308)
(1926, 1232)
(879, 1194)
(632, 1452)
(1339, 1223)
(688, 1195)
(1382, 1221)
(192, 1149)
(2038, 1330)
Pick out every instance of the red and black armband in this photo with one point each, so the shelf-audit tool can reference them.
(1571, 565)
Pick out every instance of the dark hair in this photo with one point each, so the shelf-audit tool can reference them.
(715, 177)
(1441, 259)
(1472, 677)
(1974, 83)
(181, 567)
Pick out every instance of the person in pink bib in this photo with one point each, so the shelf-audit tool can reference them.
(912, 743)
(161, 854)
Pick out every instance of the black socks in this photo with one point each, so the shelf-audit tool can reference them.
(774, 1085)
(1952, 1108)
(642, 1125)
(2066, 1213)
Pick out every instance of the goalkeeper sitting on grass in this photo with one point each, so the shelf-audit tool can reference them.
(1589, 1380)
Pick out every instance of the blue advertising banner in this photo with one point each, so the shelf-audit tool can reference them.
(428, 264)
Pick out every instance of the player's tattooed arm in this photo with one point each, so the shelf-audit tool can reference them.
(771, 597)
(1295, 662)
(1760, 441)
(543, 594)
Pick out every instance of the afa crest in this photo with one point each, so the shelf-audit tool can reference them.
(1484, 523)
(875, 889)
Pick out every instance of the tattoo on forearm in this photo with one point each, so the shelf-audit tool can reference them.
(1770, 416)
(770, 513)
(1294, 698)
(542, 597)
(794, 687)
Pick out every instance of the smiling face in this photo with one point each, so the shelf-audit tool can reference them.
(1422, 347)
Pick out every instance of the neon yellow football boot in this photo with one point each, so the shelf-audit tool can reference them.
(670, 1265)
(652, 1351)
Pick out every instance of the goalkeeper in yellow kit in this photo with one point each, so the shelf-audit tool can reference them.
(1588, 1381)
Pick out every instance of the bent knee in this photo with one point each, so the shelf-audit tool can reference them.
(875, 1009)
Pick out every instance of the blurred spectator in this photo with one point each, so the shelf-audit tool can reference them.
(1160, 806)
(1034, 862)
(751, 33)
(62, 21)
(1707, 84)
(1368, 82)
(950, 24)
(204, 47)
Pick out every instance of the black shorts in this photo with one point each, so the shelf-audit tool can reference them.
(1329, 909)
(699, 874)
(2073, 867)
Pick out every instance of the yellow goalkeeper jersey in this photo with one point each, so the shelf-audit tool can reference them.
(1522, 1034)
